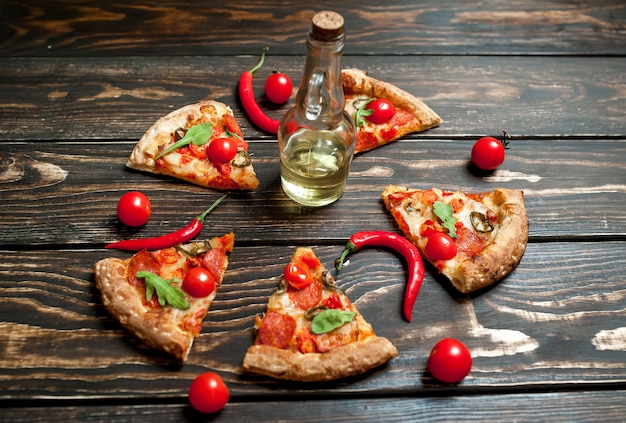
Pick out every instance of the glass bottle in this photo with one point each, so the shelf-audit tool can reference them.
(316, 138)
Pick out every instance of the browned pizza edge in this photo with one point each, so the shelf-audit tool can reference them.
(347, 360)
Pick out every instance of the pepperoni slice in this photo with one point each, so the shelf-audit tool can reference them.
(306, 298)
(143, 260)
(468, 242)
(213, 260)
(276, 330)
(400, 118)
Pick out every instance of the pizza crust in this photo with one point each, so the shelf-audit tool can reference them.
(159, 329)
(203, 173)
(347, 360)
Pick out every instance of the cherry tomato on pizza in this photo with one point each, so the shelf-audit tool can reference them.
(133, 208)
(278, 87)
(440, 247)
(382, 111)
(298, 275)
(449, 361)
(199, 282)
(208, 393)
(222, 150)
(488, 152)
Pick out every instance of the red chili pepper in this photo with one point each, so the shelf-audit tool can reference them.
(402, 246)
(246, 94)
(168, 240)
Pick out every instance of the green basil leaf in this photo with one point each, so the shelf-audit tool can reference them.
(330, 319)
(198, 134)
(444, 212)
(166, 293)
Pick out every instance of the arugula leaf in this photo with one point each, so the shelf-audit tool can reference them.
(361, 111)
(232, 134)
(330, 319)
(198, 134)
(444, 212)
(165, 292)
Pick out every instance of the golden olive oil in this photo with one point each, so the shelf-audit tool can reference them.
(314, 167)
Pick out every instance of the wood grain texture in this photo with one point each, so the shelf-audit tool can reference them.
(583, 406)
(556, 320)
(82, 81)
(66, 193)
(119, 98)
(90, 28)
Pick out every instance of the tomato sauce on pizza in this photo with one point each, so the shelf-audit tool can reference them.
(311, 331)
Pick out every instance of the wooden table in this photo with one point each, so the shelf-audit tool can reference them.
(81, 82)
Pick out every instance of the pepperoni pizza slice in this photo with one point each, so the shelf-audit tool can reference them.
(311, 331)
(163, 296)
(383, 112)
(199, 143)
(474, 240)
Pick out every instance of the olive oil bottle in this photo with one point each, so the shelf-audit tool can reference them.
(316, 138)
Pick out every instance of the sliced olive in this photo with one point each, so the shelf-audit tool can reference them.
(411, 208)
(194, 248)
(242, 159)
(180, 133)
(312, 312)
(480, 222)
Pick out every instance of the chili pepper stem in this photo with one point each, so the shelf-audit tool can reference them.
(258, 66)
(210, 209)
(350, 248)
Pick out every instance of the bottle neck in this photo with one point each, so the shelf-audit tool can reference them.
(320, 97)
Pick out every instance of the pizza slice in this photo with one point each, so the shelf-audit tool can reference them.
(311, 331)
(163, 296)
(474, 240)
(199, 143)
(408, 114)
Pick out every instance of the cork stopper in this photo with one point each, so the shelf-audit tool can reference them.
(327, 26)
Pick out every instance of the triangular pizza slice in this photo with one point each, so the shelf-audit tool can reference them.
(311, 331)
(199, 143)
(474, 239)
(163, 296)
(377, 123)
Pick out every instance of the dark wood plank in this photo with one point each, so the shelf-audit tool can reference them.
(583, 406)
(90, 28)
(65, 194)
(119, 98)
(556, 321)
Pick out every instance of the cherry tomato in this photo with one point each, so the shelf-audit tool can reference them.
(298, 275)
(278, 88)
(383, 111)
(208, 393)
(222, 150)
(488, 153)
(133, 208)
(199, 282)
(449, 361)
(440, 247)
